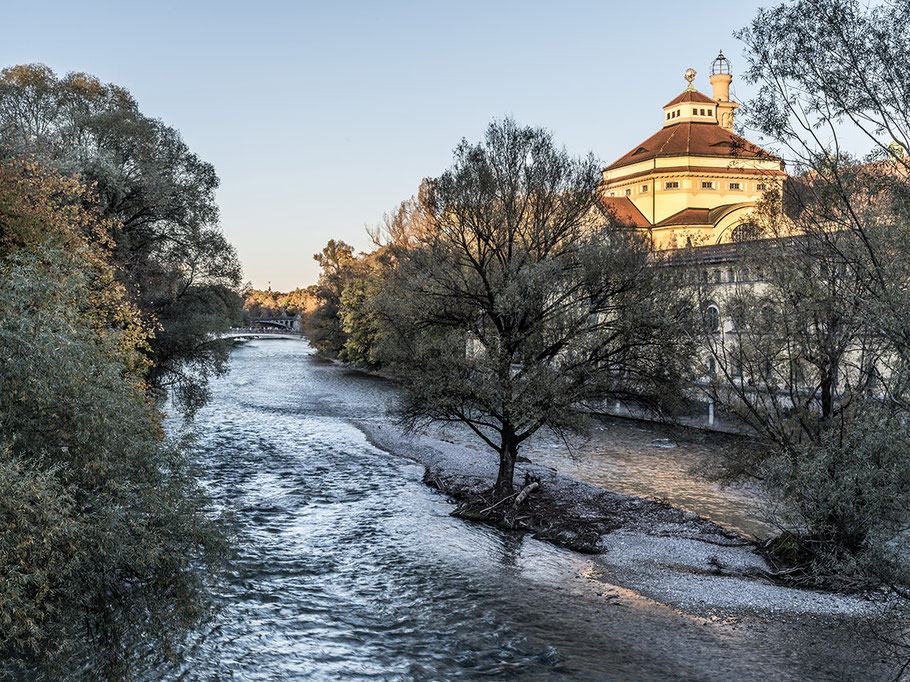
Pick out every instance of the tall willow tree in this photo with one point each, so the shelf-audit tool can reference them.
(829, 344)
(521, 306)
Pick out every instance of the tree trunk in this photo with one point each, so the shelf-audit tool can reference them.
(827, 386)
(508, 452)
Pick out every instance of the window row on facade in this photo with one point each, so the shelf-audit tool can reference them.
(696, 111)
(736, 186)
(731, 276)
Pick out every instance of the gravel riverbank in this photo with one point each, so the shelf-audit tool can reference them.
(668, 555)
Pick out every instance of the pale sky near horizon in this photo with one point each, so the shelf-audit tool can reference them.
(319, 116)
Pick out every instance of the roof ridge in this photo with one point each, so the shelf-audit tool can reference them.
(666, 142)
(676, 218)
(633, 213)
(689, 96)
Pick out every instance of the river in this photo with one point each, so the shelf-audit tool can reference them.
(349, 567)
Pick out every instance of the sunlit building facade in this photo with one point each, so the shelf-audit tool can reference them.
(694, 182)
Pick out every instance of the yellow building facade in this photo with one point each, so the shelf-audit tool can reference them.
(694, 182)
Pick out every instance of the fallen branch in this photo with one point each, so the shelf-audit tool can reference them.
(526, 491)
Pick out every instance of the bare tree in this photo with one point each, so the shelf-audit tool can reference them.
(835, 98)
(813, 359)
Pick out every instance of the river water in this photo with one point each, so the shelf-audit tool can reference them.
(349, 567)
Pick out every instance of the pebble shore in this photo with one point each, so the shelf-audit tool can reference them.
(668, 555)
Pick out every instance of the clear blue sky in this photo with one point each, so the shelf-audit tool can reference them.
(321, 116)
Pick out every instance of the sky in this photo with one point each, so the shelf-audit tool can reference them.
(319, 117)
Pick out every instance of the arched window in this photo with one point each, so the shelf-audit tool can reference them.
(711, 318)
(745, 232)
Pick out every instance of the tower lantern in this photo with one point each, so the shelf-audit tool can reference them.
(721, 76)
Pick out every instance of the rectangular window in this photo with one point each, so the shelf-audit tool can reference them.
(702, 112)
(644, 188)
(668, 115)
(736, 186)
(695, 112)
(612, 194)
(761, 187)
(710, 112)
(671, 185)
(707, 185)
(716, 276)
(628, 192)
(731, 276)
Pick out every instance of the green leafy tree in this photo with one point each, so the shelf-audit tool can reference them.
(175, 262)
(324, 325)
(107, 544)
(362, 318)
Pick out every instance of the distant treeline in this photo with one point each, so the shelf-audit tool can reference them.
(268, 303)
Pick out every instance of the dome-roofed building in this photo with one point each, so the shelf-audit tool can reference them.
(694, 181)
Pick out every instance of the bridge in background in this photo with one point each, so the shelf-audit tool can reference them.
(288, 323)
(262, 333)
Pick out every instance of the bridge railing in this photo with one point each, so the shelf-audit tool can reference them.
(264, 330)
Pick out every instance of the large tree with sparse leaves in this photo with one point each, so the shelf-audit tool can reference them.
(520, 305)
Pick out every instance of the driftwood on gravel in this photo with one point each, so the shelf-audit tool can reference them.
(527, 490)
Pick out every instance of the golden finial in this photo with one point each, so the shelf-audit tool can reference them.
(690, 76)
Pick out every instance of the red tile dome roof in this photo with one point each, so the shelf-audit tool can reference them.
(692, 139)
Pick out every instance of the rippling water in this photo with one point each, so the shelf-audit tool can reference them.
(350, 568)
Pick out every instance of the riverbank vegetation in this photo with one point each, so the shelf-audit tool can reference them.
(113, 276)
